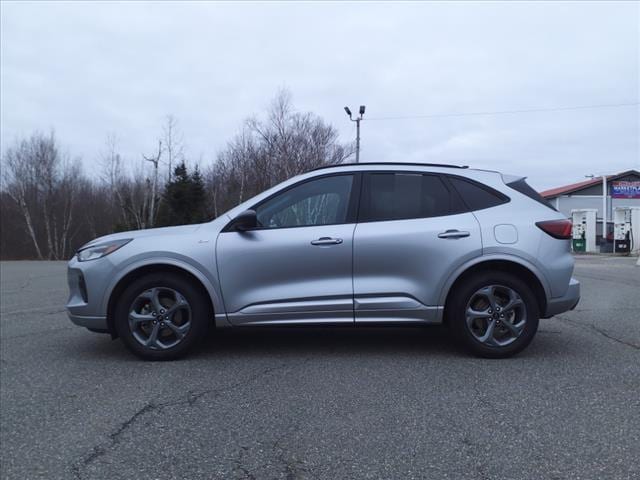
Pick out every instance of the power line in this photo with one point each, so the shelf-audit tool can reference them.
(508, 112)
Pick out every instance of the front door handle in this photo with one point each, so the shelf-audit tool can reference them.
(453, 234)
(327, 241)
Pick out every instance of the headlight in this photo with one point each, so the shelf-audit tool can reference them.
(101, 249)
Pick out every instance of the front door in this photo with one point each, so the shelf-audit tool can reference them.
(296, 267)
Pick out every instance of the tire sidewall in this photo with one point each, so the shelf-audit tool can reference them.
(200, 315)
(458, 306)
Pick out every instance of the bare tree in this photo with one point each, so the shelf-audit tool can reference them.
(268, 151)
(112, 174)
(20, 182)
(173, 143)
(120, 185)
(43, 183)
(68, 188)
(52, 208)
(155, 161)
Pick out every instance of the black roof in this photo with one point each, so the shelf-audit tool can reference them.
(445, 165)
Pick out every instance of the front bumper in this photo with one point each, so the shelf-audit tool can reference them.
(92, 323)
(87, 282)
(565, 303)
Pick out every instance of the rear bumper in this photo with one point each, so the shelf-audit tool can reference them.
(565, 303)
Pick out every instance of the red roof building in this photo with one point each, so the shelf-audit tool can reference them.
(576, 188)
(623, 190)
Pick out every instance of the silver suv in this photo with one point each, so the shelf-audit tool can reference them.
(361, 244)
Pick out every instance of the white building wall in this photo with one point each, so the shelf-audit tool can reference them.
(566, 203)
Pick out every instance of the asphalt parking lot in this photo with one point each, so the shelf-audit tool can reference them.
(331, 404)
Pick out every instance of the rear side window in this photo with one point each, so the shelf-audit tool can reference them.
(400, 196)
(477, 196)
(524, 188)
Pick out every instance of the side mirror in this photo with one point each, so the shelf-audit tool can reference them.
(246, 220)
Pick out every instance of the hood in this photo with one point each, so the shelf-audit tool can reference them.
(148, 232)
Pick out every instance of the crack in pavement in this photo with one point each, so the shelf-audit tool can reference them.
(239, 467)
(600, 331)
(475, 447)
(291, 467)
(476, 450)
(26, 283)
(114, 438)
(21, 287)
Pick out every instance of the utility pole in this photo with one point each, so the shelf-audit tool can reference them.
(357, 120)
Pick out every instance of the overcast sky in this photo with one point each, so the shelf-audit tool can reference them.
(90, 69)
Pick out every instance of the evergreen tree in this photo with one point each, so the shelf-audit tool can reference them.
(198, 196)
(184, 198)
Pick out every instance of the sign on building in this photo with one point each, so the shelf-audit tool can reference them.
(623, 189)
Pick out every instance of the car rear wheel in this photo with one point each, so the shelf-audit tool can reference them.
(162, 316)
(493, 314)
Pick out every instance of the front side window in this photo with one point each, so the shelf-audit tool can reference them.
(324, 201)
(400, 196)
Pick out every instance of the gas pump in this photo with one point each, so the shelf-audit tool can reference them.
(626, 229)
(583, 232)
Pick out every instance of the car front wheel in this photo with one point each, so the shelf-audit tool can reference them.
(162, 316)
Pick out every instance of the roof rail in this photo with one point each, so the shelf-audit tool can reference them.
(415, 164)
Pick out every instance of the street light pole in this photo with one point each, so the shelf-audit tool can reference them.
(357, 120)
(358, 140)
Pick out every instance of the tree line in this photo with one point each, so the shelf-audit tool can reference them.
(50, 206)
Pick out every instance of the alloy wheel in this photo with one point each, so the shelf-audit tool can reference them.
(160, 318)
(496, 315)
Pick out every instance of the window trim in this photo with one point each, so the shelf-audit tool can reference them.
(354, 211)
(352, 205)
(441, 176)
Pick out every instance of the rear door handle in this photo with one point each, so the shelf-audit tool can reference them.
(327, 241)
(453, 234)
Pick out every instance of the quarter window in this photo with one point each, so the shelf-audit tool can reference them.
(324, 201)
(398, 196)
(477, 197)
(524, 188)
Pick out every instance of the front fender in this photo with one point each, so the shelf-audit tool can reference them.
(207, 276)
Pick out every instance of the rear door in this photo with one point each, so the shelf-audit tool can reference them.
(413, 230)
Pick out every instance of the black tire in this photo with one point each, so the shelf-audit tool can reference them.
(465, 292)
(198, 312)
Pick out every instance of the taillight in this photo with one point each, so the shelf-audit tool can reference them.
(556, 228)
